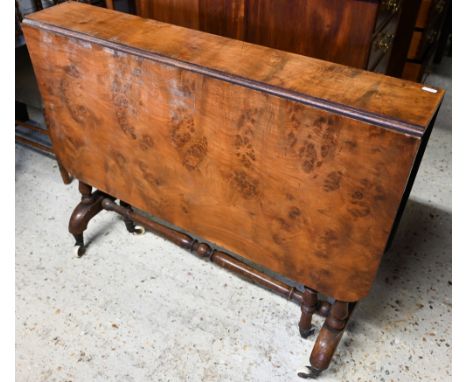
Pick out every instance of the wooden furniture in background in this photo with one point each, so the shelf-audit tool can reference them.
(423, 31)
(444, 44)
(350, 32)
(26, 92)
(299, 165)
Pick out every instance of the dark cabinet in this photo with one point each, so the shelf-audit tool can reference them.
(356, 33)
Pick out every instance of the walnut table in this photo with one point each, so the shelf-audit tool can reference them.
(299, 165)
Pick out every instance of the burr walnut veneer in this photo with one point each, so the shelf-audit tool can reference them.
(299, 165)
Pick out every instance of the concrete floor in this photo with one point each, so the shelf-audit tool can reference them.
(141, 309)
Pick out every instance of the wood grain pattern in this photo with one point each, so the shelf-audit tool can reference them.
(302, 77)
(333, 30)
(403, 37)
(221, 17)
(415, 46)
(423, 14)
(179, 12)
(306, 192)
(413, 71)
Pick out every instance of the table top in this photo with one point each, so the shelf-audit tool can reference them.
(373, 98)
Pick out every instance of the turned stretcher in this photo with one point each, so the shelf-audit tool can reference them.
(296, 164)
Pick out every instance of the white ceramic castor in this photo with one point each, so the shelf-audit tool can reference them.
(308, 333)
(79, 250)
(139, 230)
(308, 372)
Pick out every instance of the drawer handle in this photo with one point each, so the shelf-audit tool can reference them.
(385, 42)
(391, 5)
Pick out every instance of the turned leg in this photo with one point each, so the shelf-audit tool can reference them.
(86, 191)
(129, 223)
(324, 308)
(328, 339)
(66, 177)
(89, 207)
(308, 308)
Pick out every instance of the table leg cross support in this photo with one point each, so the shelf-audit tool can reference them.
(337, 314)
